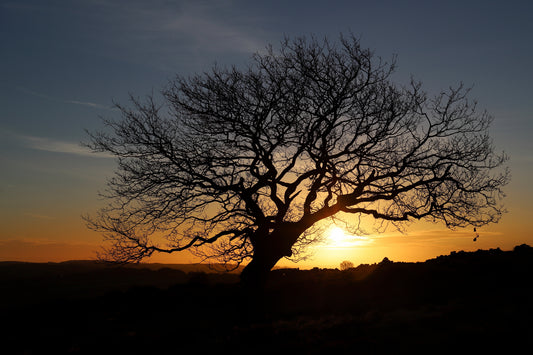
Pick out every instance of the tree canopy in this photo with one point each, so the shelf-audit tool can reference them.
(248, 160)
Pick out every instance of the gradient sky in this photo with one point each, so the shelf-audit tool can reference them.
(63, 63)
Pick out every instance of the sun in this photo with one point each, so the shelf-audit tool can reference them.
(337, 235)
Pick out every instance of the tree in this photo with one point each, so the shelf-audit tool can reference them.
(346, 265)
(247, 161)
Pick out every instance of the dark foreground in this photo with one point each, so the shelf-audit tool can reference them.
(464, 302)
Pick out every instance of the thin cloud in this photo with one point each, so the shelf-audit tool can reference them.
(167, 35)
(43, 250)
(204, 27)
(213, 35)
(438, 234)
(57, 146)
(39, 216)
(350, 241)
(90, 104)
(74, 102)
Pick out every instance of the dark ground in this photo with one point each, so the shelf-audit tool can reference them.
(463, 302)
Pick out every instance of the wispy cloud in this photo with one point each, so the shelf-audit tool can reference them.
(89, 104)
(349, 241)
(39, 216)
(212, 34)
(43, 250)
(165, 34)
(58, 146)
(171, 32)
(429, 235)
(74, 102)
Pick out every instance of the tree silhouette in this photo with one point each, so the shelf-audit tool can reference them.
(247, 161)
(345, 265)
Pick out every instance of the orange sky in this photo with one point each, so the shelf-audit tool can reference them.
(58, 233)
(48, 239)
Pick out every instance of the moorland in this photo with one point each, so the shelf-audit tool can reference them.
(462, 302)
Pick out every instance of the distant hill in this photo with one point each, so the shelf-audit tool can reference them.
(18, 269)
(31, 283)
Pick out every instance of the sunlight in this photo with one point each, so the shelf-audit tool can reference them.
(336, 235)
(339, 238)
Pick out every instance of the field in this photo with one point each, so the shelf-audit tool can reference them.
(479, 301)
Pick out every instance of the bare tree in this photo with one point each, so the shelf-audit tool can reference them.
(248, 161)
(346, 265)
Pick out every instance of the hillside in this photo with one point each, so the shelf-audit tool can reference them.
(471, 301)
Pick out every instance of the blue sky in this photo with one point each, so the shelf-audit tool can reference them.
(63, 63)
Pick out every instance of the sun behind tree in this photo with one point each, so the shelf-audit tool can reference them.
(337, 235)
(249, 161)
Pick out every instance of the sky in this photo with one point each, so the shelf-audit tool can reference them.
(64, 63)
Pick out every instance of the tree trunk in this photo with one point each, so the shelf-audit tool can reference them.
(255, 274)
(267, 253)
